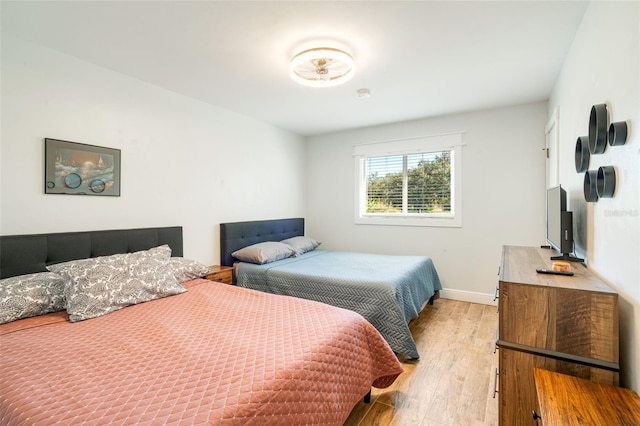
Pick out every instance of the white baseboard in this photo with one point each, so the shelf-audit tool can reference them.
(468, 296)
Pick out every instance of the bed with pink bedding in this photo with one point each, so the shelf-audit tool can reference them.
(214, 354)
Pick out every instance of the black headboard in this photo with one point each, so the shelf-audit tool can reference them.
(25, 254)
(236, 235)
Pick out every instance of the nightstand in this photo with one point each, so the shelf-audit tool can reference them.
(221, 274)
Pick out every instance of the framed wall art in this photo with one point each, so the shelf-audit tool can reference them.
(80, 169)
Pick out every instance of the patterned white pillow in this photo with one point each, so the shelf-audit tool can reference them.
(30, 295)
(98, 286)
(187, 269)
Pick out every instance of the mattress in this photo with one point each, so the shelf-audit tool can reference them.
(389, 291)
(216, 354)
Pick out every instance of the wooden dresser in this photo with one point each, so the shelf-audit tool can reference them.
(567, 400)
(567, 324)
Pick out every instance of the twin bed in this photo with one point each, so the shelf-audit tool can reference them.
(389, 291)
(210, 354)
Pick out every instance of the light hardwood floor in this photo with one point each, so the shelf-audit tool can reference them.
(452, 383)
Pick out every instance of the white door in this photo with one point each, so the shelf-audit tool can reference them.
(551, 147)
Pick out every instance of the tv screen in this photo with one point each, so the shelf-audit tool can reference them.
(560, 224)
(556, 204)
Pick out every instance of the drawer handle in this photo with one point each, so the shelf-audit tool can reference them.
(495, 345)
(495, 294)
(535, 415)
(495, 385)
(499, 269)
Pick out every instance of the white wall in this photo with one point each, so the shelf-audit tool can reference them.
(183, 162)
(502, 195)
(602, 67)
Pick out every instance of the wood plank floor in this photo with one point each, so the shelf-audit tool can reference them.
(452, 383)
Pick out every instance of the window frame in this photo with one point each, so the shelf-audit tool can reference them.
(429, 144)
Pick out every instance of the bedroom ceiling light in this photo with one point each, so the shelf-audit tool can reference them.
(322, 67)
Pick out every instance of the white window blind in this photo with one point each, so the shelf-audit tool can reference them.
(410, 182)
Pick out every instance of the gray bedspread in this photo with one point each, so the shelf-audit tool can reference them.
(388, 291)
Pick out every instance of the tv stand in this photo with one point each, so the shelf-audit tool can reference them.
(567, 325)
(568, 258)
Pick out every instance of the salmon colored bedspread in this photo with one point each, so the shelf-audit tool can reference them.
(217, 354)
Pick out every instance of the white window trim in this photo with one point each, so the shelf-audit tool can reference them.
(409, 146)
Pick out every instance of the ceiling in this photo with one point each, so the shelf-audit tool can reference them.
(418, 58)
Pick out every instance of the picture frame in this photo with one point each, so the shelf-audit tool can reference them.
(80, 169)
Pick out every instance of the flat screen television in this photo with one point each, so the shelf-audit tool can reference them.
(560, 224)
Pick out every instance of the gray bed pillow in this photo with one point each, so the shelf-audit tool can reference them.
(266, 252)
(31, 295)
(98, 286)
(302, 244)
(187, 269)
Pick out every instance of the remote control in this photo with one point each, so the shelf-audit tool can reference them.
(551, 271)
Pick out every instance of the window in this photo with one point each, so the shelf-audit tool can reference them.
(413, 182)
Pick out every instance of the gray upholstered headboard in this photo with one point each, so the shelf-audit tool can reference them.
(25, 254)
(236, 235)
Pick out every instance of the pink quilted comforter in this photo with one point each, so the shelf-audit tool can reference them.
(217, 354)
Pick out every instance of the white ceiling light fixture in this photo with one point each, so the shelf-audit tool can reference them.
(322, 67)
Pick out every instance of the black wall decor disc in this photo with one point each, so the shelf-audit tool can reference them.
(590, 191)
(72, 180)
(598, 127)
(582, 154)
(617, 133)
(97, 186)
(606, 181)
